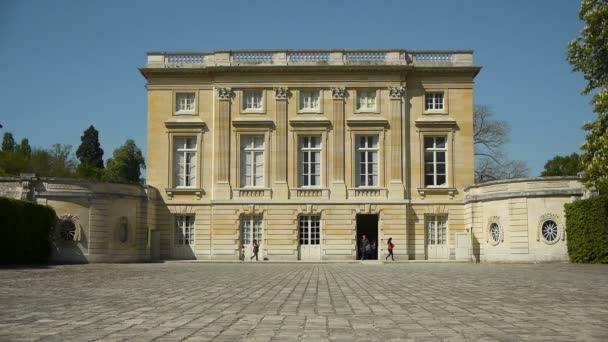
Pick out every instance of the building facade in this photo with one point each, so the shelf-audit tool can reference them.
(307, 151)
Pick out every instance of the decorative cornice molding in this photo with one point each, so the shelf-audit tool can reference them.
(396, 93)
(224, 93)
(281, 93)
(338, 93)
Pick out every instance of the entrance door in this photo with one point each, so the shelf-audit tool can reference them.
(367, 225)
(183, 241)
(310, 237)
(436, 238)
(251, 229)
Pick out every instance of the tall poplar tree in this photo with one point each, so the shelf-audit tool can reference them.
(89, 152)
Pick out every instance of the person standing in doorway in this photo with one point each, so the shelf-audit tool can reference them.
(389, 247)
(364, 247)
(256, 249)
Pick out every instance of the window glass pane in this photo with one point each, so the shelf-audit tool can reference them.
(428, 143)
(440, 180)
(428, 157)
(429, 180)
(441, 168)
(440, 157)
(440, 142)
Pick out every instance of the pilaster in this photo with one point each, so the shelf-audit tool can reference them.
(338, 186)
(396, 188)
(222, 145)
(280, 187)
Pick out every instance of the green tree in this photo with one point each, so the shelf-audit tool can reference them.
(126, 164)
(89, 152)
(8, 142)
(589, 54)
(24, 148)
(58, 161)
(563, 166)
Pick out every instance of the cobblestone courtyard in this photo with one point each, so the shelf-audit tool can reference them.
(312, 302)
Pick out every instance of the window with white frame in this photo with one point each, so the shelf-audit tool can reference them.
(309, 100)
(184, 103)
(310, 161)
(435, 161)
(367, 160)
(310, 230)
(251, 229)
(433, 101)
(252, 161)
(184, 156)
(436, 229)
(366, 100)
(253, 100)
(184, 230)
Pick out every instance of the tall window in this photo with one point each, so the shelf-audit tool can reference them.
(184, 229)
(309, 101)
(185, 161)
(310, 161)
(184, 102)
(435, 151)
(367, 158)
(252, 160)
(436, 229)
(310, 229)
(251, 229)
(433, 101)
(366, 100)
(252, 100)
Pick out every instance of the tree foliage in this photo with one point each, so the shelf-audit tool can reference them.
(8, 142)
(25, 148)
(89, 152)
(589, 54)
(489, 136)
(563, 166)
(126, 164)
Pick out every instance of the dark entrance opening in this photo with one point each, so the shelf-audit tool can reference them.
(367, 225)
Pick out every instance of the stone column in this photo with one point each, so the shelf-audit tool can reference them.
(280, 188)
(222, 145)
(396, 188)
(338, 187)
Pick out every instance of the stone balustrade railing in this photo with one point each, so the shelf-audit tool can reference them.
(456, 58)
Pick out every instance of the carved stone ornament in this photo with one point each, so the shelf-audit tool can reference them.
(121, 231)
(338, 93)
(495, 234)
(281, 93)
(396, 92)
(550, 229)
(224, 93)
(67, 229)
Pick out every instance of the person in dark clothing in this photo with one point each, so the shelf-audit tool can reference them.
(389, 247)
(364, 248)
(256, 249)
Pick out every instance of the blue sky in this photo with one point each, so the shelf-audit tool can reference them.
(65, 65)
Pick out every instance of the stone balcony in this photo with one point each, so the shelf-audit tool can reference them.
(268, 58)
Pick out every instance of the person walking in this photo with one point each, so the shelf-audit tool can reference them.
(390, 246)
(256, 249)
(364, 247)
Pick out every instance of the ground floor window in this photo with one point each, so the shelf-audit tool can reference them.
(310, 230)
(184, 229)
(436, 226)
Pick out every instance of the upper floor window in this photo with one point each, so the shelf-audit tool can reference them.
(252, 100)
(367, 160)
(309, 101)
(185, 161)
(310, 161)
(184, 103)
(435, 151)
(252, 161)
(366, 100)
(433, 101)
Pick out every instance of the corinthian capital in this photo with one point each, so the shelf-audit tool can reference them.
(281, 93)
(396, 92)
(338, 93)
(224, 93)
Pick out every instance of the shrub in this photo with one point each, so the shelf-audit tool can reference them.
(587, 229)
(25, 228)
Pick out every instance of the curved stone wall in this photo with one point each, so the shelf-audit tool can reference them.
(520, 220)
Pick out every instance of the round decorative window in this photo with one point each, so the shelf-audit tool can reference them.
(495, 234)
(550, 231)
(67, 230)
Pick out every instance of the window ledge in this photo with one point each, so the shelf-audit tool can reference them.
(199, 192)
(309, 192)
(252, 192)
(367, 192)
(185, 112)
(440, 191)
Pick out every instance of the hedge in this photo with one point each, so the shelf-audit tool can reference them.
(587, 229)
(25, 229)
